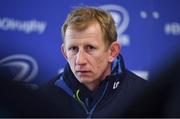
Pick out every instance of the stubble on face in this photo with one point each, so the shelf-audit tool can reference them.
(92, 65)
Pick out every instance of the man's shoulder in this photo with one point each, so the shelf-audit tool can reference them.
(134, 77)
(134, 82)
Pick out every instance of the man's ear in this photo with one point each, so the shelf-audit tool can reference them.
(114, 51)
(63, 51)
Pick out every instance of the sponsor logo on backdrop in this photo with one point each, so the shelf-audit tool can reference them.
(24, 67)
(172, 28)
(121, 18)
(145, 15)
(26, 26)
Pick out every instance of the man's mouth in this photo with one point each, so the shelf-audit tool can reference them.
(82, 72)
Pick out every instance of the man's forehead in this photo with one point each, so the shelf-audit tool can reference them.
(90, 31)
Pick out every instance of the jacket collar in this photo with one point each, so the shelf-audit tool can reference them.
(118, 70)
(68, 82)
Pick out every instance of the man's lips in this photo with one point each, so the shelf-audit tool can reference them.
(82, 72)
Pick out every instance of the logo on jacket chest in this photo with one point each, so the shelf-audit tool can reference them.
(116, 84)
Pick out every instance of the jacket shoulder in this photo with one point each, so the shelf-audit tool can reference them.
(133, 82)
(132, 76)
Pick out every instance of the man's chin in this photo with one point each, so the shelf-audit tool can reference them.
(84, 80)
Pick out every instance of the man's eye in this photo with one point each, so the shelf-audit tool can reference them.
(90, 48)
(73, 49)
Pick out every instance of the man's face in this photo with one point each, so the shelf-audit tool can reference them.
(87, 54)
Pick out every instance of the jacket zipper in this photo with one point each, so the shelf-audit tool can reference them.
(89, 113)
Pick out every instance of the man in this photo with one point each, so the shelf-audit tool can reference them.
(95, 82)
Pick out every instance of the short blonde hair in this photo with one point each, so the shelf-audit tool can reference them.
(81, 17)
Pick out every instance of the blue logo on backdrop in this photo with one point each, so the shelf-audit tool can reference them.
(172, 28)
(121, 18)
(27, 66)
(24, 26)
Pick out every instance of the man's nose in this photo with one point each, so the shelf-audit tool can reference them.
(81, 58)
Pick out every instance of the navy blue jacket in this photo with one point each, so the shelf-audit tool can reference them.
(111, 99)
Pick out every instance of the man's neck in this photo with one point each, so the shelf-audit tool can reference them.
(93, 86)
